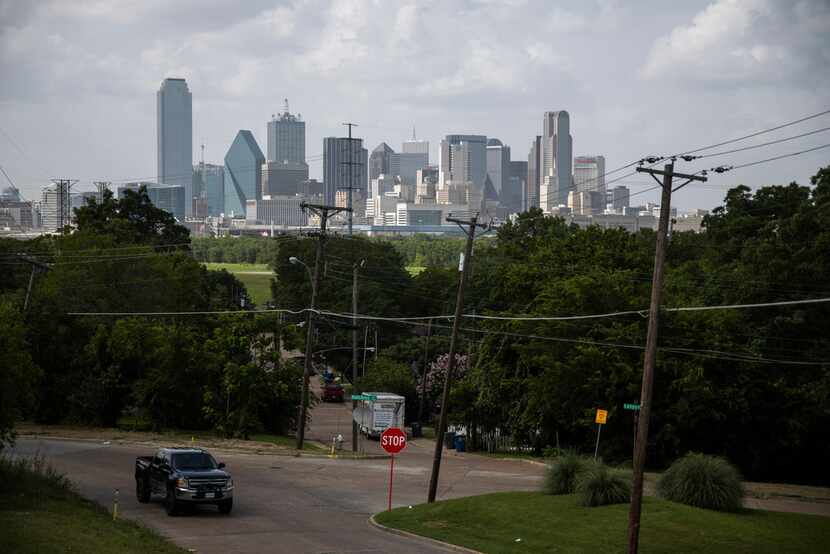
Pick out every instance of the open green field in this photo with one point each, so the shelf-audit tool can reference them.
(544, 523)
(39, 513)
(255, 277)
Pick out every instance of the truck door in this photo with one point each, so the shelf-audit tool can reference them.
(158, 476)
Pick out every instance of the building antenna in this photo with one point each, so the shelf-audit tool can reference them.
(413, 132)
(286, 106)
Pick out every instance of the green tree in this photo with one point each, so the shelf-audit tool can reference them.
(18, 374)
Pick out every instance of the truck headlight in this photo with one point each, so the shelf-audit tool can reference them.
(229, 485)
(182, 483)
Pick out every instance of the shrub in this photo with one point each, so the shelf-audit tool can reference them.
(562, 473)
(703, 481)
(600, 485)
(29, 481)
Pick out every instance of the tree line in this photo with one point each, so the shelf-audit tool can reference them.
(60, 364)
(751, 385)
(748, 384)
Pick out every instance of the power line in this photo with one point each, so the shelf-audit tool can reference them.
(764, 143)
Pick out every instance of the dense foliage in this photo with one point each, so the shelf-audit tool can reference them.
(62, 364)
(703, 481)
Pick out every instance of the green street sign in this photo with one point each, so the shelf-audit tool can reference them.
(370, 397)
(631, 406)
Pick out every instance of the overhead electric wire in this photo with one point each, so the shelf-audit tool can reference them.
(761, 145)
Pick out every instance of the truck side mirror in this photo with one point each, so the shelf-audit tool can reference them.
(221, 465)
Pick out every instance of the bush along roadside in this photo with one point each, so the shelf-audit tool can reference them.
(562, 474)
(41, 512)
(703, 481)
(599, 485)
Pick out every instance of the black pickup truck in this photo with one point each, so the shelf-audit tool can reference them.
(184, 476)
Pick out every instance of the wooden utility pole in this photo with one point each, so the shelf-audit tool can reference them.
(324, 212)
(355, 267)
(469, 227)
(641, 443)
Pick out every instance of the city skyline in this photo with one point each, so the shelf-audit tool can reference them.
(768, 71)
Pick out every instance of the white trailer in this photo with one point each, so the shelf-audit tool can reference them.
(373, 417)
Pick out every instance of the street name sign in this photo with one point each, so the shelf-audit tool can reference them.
(631, 406)
(370, 397)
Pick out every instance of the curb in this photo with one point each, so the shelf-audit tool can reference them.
(433, 542)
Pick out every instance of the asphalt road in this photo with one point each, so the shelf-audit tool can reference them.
(285, 503)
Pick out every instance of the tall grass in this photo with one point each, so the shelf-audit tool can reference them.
(562, 474)
(599, 485)
(703, 481)
(30, 481)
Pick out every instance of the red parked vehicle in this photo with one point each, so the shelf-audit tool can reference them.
(333, 392)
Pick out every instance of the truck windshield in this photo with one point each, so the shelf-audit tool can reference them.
(194, 460)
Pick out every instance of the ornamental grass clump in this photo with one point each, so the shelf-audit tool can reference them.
(598, 485)
(562, 473)
(703, 481)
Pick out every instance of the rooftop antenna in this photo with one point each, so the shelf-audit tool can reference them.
(413, 132)
(286, 106)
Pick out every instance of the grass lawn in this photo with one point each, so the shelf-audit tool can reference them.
(255, 277)
(234, 268)
(39, 513)
(544, 523)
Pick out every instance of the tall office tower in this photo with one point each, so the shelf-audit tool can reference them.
(557, 155)
(174, 129)
(534, 174)
(416, 147)
(498, 164)
(209, 183)
(619, 198)
(286, 137)
(336, 174)
(243, 173)
(285, 167)
(383, 161)
(425, 181)
(515, 188)
(589, 174)
(464, 160)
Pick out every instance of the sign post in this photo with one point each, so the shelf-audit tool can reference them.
(602, 416)
(393, 440)
(636, 409)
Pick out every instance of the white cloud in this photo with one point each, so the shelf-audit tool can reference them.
(743, 42)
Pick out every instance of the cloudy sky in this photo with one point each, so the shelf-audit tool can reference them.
(77, 91)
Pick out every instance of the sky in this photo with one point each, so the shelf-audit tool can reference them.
(638, 78)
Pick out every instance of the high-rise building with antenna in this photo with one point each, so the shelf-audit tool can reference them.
(285, 167)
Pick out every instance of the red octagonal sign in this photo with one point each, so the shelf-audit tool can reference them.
(393, 440)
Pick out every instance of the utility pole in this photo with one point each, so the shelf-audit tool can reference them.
(469, 228)
(424, 370)
(324, 212)
(351, 164)
(36, 265)
(355, 268)
(641, 443)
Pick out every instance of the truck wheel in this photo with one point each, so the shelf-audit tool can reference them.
(170, 503)
(142, 490)
(225, 506)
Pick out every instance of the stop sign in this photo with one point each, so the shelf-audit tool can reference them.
(393, 440)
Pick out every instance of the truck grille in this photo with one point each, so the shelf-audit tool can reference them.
(207, 484)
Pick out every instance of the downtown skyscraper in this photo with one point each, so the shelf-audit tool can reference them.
(557, 157)
(174, 127)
